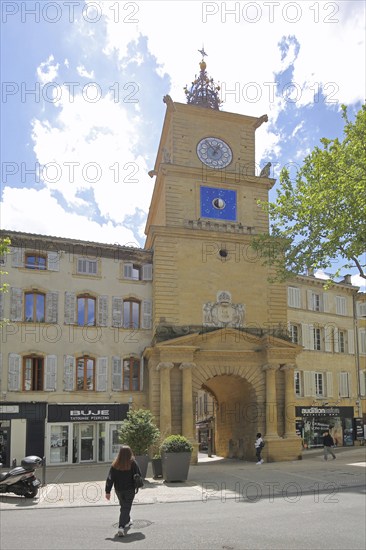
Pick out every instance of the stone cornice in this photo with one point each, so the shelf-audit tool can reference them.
(164, 365)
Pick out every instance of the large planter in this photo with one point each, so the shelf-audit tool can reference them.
(175, 466)
(142, 461)
(157, 467)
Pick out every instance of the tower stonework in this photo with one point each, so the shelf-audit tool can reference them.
(214, 309)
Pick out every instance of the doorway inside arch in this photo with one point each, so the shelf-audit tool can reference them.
(227, 418)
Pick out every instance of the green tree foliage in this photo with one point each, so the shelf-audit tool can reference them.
(319, 220)
(4, 249)
(139, 431)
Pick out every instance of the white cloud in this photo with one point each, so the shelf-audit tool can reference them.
(47, 71)
(38, 212)
(84, 73)
(359, 281)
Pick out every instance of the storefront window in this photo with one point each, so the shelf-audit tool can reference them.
(114, 442)
(59, 444)
(101, 442)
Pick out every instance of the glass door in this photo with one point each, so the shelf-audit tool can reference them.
(86, 442)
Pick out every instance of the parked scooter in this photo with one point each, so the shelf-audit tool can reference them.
(21, 480)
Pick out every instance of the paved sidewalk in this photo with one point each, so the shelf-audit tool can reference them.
(211, 478)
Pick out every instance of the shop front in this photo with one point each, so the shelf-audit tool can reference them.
(22, 430)
(79, 434)
(312, 422)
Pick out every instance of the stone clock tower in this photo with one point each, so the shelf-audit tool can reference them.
(217, 320)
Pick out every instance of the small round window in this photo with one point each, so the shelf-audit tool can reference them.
(219, 204)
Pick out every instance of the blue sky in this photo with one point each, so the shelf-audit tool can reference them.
(83, 84)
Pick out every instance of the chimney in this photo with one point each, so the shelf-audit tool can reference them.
(347, 279)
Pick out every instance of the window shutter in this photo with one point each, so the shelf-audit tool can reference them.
(127, 271)
(14, 372)
(16, 304)
(326, 302)
(311, 337)
(103, 311)
(293, 296)
(141, 374)
(70, 308)
(336, 340)
(1, 306)
(53, 261)
(362, 339)
(305, 338)
(147, 272)
(146, 314)
(308, 384)
(329, 384)
(363, 383)
(50, 373)
(361, 309)
(309, 294)
(116, 374)
(343, 384)
(328, 336)
(17, 257)
(102, 374)
(351, 341)
(51, 307)
(117, 311)
(69, 373)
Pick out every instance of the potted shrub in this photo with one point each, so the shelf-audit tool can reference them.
(139, 432)
(176, 451)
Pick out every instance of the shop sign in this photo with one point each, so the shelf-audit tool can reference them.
(318, 411)
(9, 409)
(359, 428)
(87, 413)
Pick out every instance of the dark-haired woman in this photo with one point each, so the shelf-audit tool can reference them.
(123, 468)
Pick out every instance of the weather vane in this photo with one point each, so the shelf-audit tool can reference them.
(202, 52)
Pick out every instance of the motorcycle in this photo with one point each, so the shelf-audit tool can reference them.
(21, 480)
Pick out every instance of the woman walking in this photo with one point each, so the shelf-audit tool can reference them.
(123, 468)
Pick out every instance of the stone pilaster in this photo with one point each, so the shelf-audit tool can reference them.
(187, 400)
(271, 401)
(165, 398)
(290, 425)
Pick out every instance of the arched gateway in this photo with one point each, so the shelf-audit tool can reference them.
(251, 378)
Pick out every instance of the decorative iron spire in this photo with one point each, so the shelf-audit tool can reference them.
(203, 91)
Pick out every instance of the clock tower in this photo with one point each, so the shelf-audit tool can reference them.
(211, 295)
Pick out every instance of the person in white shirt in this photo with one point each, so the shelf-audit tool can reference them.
(259, 444)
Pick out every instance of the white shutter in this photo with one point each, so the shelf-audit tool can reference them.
(305, 338)
(308, 384)
(50, 373)
(328, 336)
(146, 314)
(51, 307)
(311, 337)
(329, 384)
(17, 256)
(361, 309)
(351, 341)
(343, 384)
(336, 340)
(1, 306)
(362, 339)
(117, 311)
(102, 311)
(116, 374)
(102, 374)
(70, 308)
(53, 261)
(326, 302)
(293, 296)
(69, 373)
(14, 372)
(363, 383)
(309, 294)
(128, 271)
(147, 272)
(16, 304)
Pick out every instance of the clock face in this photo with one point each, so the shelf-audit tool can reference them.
(219, 204)
(214, 152)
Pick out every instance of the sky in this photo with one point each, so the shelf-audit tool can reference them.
(83, 85)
